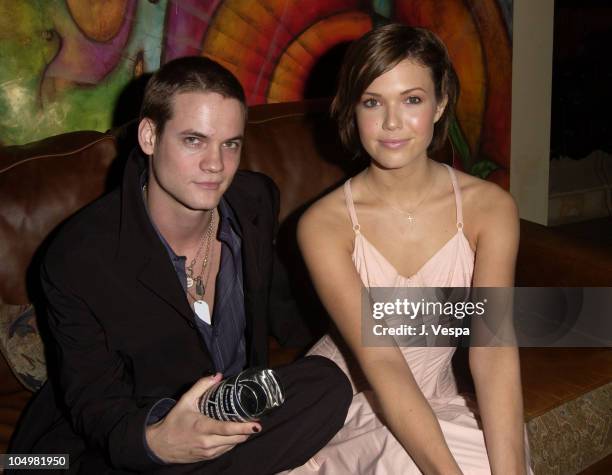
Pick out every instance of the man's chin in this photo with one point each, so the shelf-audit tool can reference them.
(203, 206)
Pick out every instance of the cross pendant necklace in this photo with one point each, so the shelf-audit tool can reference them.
(409, 214)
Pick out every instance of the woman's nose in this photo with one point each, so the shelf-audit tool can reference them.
(392, 120)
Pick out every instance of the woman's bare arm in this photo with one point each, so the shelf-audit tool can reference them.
(325, 239)
(496, 370)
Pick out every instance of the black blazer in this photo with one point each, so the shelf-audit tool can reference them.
(124, 332)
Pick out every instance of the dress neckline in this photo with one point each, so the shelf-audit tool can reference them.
(458, 235)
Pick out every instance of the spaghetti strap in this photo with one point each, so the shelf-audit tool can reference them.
(458, 202)
(348, 196)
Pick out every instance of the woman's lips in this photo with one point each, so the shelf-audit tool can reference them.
(393, 144)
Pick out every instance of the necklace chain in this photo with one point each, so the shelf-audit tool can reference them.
(409, 213)
(203, 283)
(200, 283)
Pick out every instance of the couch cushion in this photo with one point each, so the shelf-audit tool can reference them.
(281, 141)
(41, 184)
(21, 345)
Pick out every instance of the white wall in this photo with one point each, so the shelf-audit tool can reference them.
(532, 52)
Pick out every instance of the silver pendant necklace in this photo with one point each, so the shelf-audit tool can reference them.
(408, 213)
(197, 280)
(200, 307)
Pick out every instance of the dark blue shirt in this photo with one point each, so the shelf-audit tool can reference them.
(225, 337)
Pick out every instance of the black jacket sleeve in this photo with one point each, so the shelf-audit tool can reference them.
(285, 320)
(96, 382)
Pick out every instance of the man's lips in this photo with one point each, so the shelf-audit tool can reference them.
(208, 185)
(393, 143)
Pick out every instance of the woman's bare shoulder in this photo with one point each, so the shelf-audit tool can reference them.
(328, 216)
(482, 198)
(329, 210)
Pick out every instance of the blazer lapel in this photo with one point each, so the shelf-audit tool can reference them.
(246, 207)
(164, 284)
(140, 249)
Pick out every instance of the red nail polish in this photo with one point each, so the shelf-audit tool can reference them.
(255, 429)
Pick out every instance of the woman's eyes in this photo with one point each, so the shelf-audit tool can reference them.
(371, 102)
(413, 100)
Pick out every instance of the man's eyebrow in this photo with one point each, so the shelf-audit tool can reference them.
(194, 133)
(407, 91)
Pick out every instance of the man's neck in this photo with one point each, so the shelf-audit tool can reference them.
(181, 228)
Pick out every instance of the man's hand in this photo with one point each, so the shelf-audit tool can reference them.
(186, 436)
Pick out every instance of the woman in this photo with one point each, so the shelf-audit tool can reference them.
(406, 221)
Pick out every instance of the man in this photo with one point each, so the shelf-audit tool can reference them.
(160, 286)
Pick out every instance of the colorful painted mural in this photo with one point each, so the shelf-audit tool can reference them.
(65, 63)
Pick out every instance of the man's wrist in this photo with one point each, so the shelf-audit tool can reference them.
(150, 444)
(152, 422)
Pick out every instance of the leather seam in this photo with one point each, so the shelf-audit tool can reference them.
(55, 155)
(263, 121)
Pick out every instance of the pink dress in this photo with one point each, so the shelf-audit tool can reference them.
(364, 445)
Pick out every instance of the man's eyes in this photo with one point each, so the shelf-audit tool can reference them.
(232, 145)
(192, 141)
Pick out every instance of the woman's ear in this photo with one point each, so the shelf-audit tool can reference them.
(440, 109)
(146, 136)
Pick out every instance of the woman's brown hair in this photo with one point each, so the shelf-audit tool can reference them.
(379, 51)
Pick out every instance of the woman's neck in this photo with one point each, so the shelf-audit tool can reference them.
(402, 186)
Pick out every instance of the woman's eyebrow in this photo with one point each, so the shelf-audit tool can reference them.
(407, 91)
(412, 89)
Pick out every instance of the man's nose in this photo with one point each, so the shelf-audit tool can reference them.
(212, 160)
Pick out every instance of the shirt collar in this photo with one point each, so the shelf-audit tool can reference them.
(227, 222)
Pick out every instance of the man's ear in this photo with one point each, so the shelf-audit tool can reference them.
(146, 136)
(440, 109)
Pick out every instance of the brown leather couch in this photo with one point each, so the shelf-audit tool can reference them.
(41, 184)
